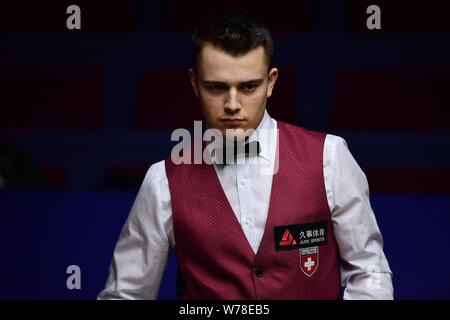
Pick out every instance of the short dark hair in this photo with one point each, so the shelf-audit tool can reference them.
(235, 32)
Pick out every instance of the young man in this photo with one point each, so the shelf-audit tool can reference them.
(295, 224)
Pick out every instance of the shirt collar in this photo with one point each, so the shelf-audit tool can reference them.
(262, 134)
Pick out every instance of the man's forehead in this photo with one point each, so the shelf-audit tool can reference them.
(218, 65)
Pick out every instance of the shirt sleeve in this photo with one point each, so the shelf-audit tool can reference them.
(144, 245)
(365, 272)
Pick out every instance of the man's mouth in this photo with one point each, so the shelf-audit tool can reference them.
(232, 121)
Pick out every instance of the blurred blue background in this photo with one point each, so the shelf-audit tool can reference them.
(84, 113)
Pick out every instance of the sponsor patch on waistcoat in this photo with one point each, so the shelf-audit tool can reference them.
(304, 235)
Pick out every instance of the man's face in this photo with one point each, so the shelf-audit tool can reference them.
(233, 90)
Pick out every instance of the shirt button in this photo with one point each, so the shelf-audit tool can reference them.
(243, 182)
(247, 221)
(259, 272)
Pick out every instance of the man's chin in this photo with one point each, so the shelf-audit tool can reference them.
(235, 134)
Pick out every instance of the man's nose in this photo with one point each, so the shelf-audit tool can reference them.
(232, 104)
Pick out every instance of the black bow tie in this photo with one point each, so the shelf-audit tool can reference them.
(250, 148)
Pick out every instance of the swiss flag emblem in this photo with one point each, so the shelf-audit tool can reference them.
(287, 239)
(309, 260)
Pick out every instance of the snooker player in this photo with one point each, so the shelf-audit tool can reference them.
(301, 232)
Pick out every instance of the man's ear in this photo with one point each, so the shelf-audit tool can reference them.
(273, 75)
(193, 79)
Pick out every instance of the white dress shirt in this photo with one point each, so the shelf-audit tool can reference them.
(145, 243)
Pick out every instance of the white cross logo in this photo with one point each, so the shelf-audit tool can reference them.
(309, 264)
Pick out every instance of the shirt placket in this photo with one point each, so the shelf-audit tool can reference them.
(245, 201)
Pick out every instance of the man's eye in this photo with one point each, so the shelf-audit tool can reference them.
(249, 87)
(217, 88)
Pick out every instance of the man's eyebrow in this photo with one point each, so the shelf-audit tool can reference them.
(253, 81)
(215, 83)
